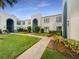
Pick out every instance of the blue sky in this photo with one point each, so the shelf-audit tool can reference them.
(24, 9)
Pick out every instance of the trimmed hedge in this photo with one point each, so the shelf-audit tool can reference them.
(37, 29)
(21, 30)
(29, 29)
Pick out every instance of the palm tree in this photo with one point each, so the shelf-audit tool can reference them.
(3, 3)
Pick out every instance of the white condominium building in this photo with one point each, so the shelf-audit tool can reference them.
(48, 23)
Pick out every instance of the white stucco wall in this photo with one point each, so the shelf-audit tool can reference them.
(73, 17)
(38, 17)
(51, 24)
(3, 20)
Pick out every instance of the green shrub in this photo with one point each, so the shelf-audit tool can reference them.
(42, 30)
(6, 31)
(22, 30)
(37, 29)
(29, 29)
(59, 33)
(72, 44)
(53, 32)
(57, 39)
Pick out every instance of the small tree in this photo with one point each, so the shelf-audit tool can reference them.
(29, 29)
(37, 29)
(9, 2)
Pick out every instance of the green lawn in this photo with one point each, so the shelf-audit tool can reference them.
(13, 45)
(52, 54)
(41, 34)
(22, 32)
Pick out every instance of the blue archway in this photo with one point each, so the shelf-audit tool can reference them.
(35, 23)
(10, 25)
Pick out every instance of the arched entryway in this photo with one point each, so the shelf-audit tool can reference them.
(10, 25)
(35, 23)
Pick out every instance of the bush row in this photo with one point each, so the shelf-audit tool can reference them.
(36, 30)
(72, 44)
(29, 29)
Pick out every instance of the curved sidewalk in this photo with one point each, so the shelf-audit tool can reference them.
(37, 50)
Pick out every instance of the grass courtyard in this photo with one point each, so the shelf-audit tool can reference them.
(41, 34)
(13, 45)
(53, 54)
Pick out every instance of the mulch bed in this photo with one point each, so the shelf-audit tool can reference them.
(63, 49)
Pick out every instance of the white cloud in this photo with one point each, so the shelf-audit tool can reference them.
(43, 4)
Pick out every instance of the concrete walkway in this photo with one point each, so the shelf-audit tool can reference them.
(37, 50)
(29, 35)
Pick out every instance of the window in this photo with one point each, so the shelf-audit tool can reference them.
(18, 23)
(46, 29)
(46, 20)
(29, 22)
(58, 19)
(59, 28)
(23, 22)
